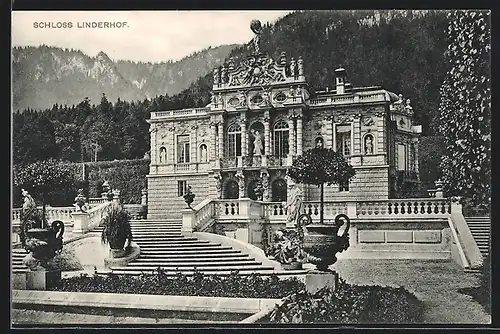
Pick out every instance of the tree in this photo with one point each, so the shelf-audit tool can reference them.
(465, 107)
(318, 166)
(43, 178)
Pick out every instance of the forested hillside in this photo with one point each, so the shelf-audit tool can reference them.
(43, 76)
(399, 50)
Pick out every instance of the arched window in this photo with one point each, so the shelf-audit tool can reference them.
(203, 153)
(234, 140)
(280, 138)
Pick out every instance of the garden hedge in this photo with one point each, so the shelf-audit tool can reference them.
(129, 176)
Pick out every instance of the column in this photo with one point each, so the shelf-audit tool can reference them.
(357, 134)
(299, 134)
(244, 135)
(213, 138)
(267, 133)
(291, 135)
(194, 146)
(329, 132)
(220, 131)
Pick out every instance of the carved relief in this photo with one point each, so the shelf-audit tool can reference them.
(256, 70)
(367, 121)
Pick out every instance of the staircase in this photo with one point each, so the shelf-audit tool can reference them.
(18, 255)
(163, 245)
(480, 230)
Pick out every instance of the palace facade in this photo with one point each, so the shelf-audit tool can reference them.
(262, 114)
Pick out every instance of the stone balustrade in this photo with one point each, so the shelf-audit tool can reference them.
(53, 213)
(87, 221)
(227, 209)
(179, 113)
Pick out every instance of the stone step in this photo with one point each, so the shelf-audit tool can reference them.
(218, 255)
(189, 252)
(194, 264)
(201, 258)
(192, 268)
(170, 237)
(174, 243)
(155, 229)
(198, 249)
(155, 236)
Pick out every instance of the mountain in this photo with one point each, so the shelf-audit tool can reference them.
(44, 75)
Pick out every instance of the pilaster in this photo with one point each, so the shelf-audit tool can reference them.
(380, 133)
(291, 134)
(194, 146)
(357, 134)
(299, 134)
(267, 133)
(244, 134)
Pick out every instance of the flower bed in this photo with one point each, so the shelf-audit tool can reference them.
(350, 304)
(235, 285)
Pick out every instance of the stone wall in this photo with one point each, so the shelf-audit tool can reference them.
(403, 239)
(368, 184)
(164, 201)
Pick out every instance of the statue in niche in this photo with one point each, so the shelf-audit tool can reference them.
(369, 144)
(257, 142)
(163, 155)
(319, 142)
(203, 153)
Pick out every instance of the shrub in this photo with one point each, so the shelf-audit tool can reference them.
(350, 304)
(116, 227)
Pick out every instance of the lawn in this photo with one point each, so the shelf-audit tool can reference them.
(435, 282)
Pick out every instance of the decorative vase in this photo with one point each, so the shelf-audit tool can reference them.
(322, 242)
(292, 266)
(43, 243)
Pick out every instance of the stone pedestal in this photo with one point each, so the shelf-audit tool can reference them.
(42, 279)
(316, 280)
(80, 222)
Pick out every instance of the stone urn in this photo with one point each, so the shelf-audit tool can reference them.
(322, 242)
(43, 244)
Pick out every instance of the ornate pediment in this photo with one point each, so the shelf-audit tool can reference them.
(256, 70)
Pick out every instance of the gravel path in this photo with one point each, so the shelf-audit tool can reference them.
(436, 283)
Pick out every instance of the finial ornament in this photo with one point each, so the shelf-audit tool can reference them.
(256, 27)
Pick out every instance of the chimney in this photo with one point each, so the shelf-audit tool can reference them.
(340, 80)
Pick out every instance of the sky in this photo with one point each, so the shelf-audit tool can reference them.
(152, 36)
